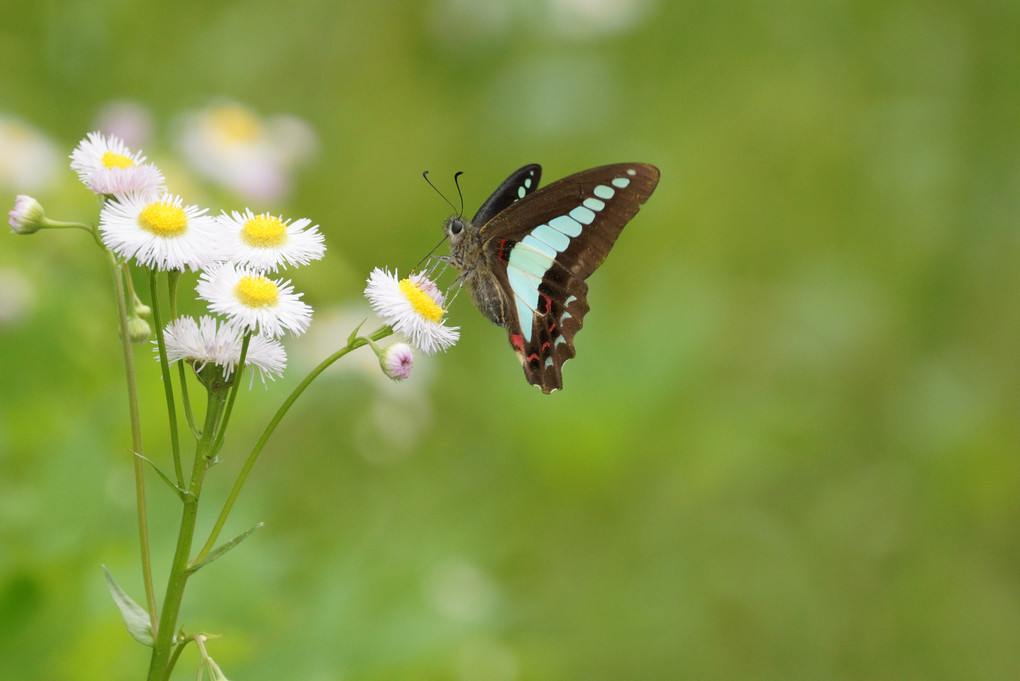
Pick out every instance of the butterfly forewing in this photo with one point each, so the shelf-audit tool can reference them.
(543, 245)
(521, 183)
(589, 208)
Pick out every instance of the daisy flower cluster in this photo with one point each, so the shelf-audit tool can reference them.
(238, 259)
(236, 255)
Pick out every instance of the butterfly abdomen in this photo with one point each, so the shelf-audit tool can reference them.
(488, 296)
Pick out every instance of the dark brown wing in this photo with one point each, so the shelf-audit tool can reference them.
(542, 248)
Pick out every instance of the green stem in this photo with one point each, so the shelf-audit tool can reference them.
(238, 372)
(182, 375)
(178, 649)
(136, 437)
(228, 505)
(183, 369)
(173, 278)
(135, 301)
(168, 385)
(159, 666)
(60, 224)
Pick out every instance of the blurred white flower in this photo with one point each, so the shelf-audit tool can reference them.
(130, 121)
(461, 590)
(486, 25)
(17, 295)
(29, 160)
(585, 19)
(252, 156)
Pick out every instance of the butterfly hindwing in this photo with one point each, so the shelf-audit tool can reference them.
(557, 317)
(543, 245)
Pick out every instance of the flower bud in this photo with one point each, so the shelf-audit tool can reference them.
(138, 329)
(142, 310)
(397, 361)
(27, 216)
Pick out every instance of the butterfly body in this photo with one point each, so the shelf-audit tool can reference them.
(478, 274)
(526, 253)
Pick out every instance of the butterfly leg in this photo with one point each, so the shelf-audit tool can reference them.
(457, 286)
(437, 265)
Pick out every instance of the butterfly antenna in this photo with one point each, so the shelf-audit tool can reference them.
(456, 182)
(426, 176)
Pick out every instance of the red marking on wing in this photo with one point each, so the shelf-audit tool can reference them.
(517, 340)
(544, 303)
(501, 252)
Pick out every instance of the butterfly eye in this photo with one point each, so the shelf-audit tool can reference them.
(455, 227)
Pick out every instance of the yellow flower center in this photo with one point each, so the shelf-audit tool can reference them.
(254, 290)
(421, 301)
(235, 123)
(112, 160)
(163, 219)
(264, 231)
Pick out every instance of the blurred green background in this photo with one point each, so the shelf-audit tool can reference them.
(788, 446)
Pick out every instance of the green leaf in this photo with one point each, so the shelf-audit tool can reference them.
(182, 493)
(223, 548)
(354, 334)
(136, 619)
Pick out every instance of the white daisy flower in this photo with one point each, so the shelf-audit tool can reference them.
(159, 233)
(253, 301)
(267, 356)
(397, 361)
(413, 307)
(201, 342)
(98, 151)
(206, 341)
(145, 180)
(267, 243)
(106, 166)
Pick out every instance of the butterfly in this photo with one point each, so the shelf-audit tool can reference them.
(527, 251)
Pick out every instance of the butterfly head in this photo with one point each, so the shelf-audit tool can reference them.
(458, 229)
(454, 227)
